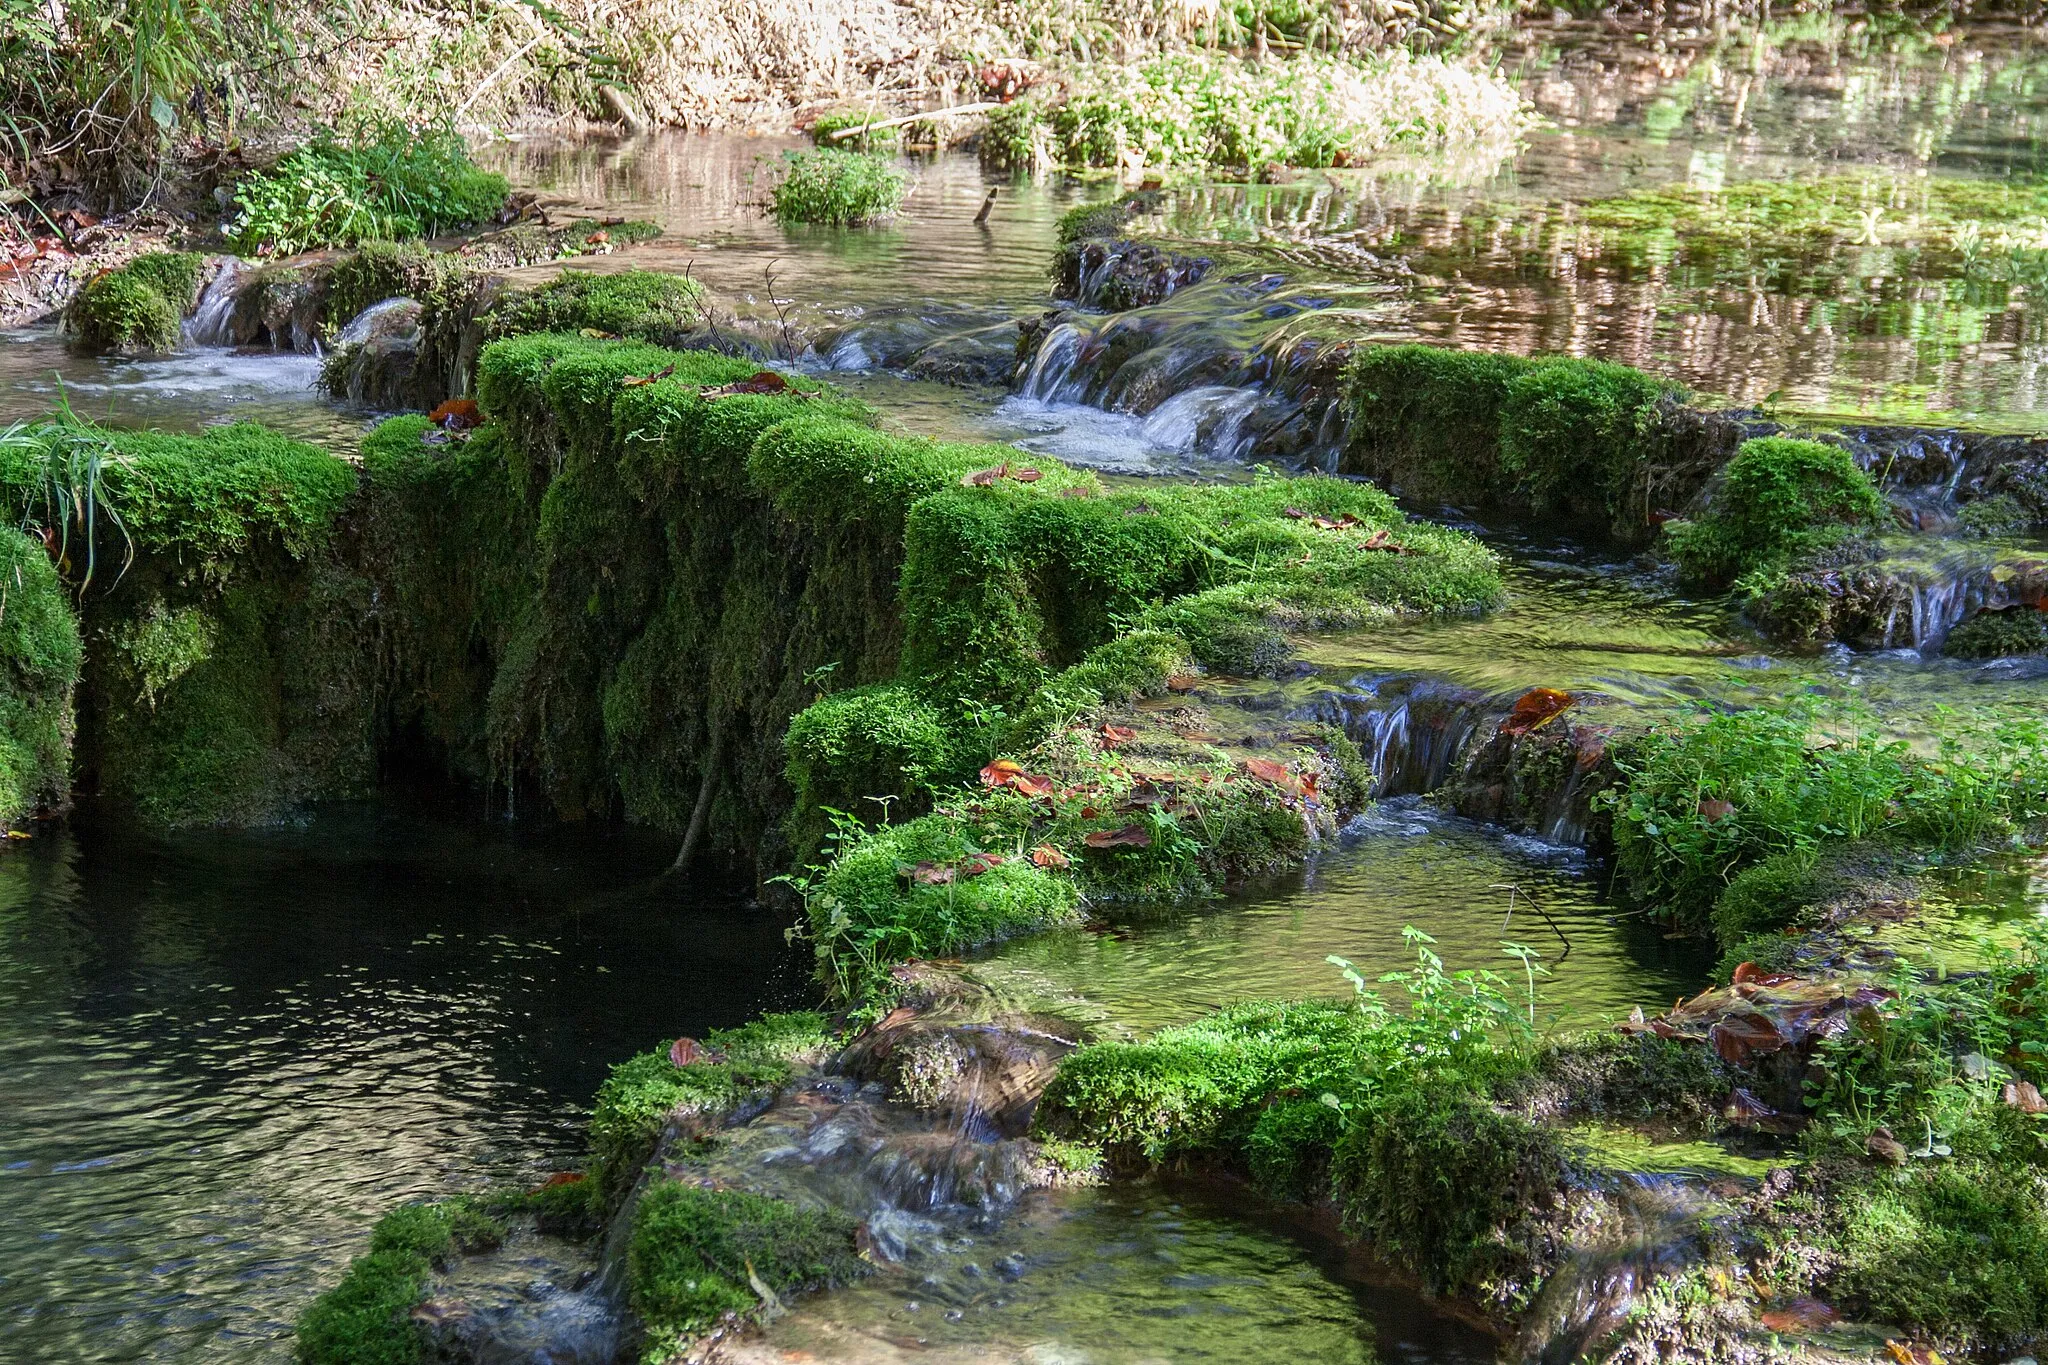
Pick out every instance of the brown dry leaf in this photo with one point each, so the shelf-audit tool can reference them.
(1182, 682)
(1000, 772)
(688, 1051)
(1033, 785)
(761, 381)
(1799, 1315)
(1130, 836)
(1050, 858)
(931, 874)
(982, 478)
(1713, 810)
(457, 414)
(1737, 1037)
(559, 1179)
(1749, 974)
(1882, 1145)
(978, 863)
(1535, 709)
(1113, 735)
(1266, 770)
(1026, 475)
(641, 381)
(2022, 1096)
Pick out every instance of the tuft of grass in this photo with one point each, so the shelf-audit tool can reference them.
(388, 183)
(839, 120)
(837, 188)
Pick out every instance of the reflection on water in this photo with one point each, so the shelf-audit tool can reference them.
(1126, 1276)
(1402, 864)
(221, 1060)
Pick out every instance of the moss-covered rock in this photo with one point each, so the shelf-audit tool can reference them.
(1779, 499)
(1999, 635)
(225, 679)
(39, 660)
(698, 1255)
(641, 305)
(1583, 440)
(366, 1318)
(138, 309)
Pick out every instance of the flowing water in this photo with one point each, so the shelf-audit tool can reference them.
(222, 1057)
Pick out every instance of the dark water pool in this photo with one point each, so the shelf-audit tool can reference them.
(222, 1059)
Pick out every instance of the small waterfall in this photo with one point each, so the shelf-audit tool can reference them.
(1651, 1229)
(364, 323)
(212, 322)
(1416, 733)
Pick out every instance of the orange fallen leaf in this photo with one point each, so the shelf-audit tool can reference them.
(1033, 785)
(1050, 858)
(1799, 1315)
(1182, 682)
(761, 381)
(977, 863)
(1130, 836)
(457, 414)
(1113, 735)
(1000, 772)
(1534, 709)
(932, 874)
(688, 1052)
(640, 381)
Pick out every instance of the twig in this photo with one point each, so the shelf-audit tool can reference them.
(978, 107)
(492, 79)
(1513, 890)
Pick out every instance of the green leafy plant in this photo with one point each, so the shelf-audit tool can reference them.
(388, 183)
(837, 188)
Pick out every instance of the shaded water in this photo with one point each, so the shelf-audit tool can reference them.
(222, 1059)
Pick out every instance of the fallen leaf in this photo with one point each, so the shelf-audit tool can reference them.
(637, 381)
(1904, 1353)
(688, 1052)
(2022, 1096)
(1000, 772)
(1799, 1315)
(1743, 1107)
(977, 863)
(1882, 1145)
(983, 478)
(1130, 836)
(598, 238)
(1113, 735)
(1749, 974)
(457, 414)
(1182, 682)
(1266, 770)
(931, 874)
(1713, 810)
(1034, 785)
(1737, 1037)
(1050, 858)
(1026, 475)
(1535, 709)
(561, 1178)
(761, 381)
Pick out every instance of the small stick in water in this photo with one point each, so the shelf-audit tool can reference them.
(986, 205)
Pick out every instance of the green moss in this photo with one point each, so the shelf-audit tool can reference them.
(442, 282)
(837, 188)
(1999, 635)
(1954, 1249)
(2001, 514)
(1204, 1087)
(139, 308)
(643, 305)
(1104, 219)
(1290, 1147)
(880, 741)
(1456, 1189)
(642, 1093)
(39, 662)
(1565, 437)
(1767, 897)
(696, 1255)
(366, 1319)
(1780, 498)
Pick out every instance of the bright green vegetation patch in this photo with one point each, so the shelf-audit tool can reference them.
(697, 1255)
(1709, 795)
(1999, 634)
(1780, 499)
(1390, 1112)
(869, 139)
(388, 183)
(139, 308)
(225, 675)
(366, 1319)
(637, 1100)
(1582, 439)
(642, 305)
(837, 188)
(1188, 111)
(39, 659)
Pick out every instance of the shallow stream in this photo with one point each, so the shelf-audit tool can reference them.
(221, 1058)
